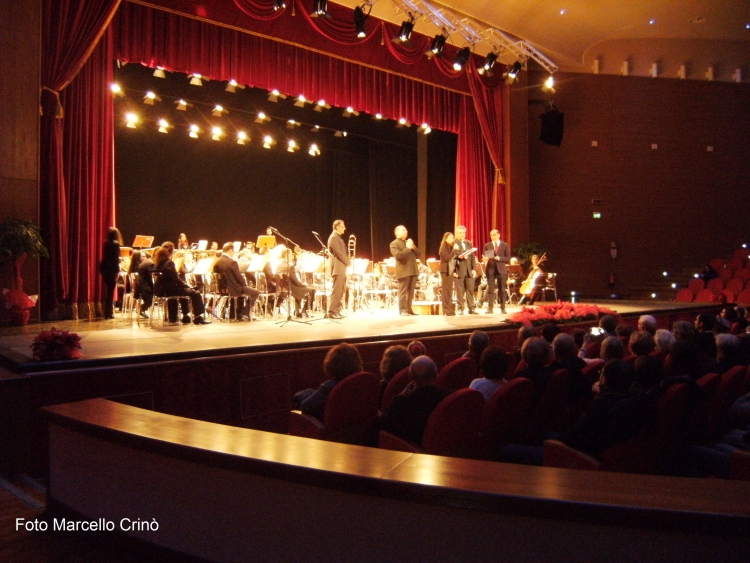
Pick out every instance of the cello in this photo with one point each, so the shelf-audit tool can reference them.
(529, 284)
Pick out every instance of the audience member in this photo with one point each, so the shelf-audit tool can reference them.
(341, 361)
(641, 343)
(647, 323)
(478, 341)
(564, 349)
(623, 332)
(684, 361)
(537, 353)
(705, 342)
(649, 373)
(728, 353)
(664, 340)
(549, 331)
(395, 358)
(493, 365)
(609, 324)
(524, 333)
(407, 415)
(416, 348)
(683, 331)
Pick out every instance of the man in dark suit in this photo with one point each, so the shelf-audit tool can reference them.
(234, 282)
(339, 261)
(406, 253)
(465, 272)
(145, 287)
(497, 254)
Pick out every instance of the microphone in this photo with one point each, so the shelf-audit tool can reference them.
(316, 234)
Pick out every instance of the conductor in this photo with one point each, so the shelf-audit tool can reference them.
(406, 253)
(339, 262)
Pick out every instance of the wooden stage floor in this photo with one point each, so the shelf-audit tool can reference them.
(125, 341)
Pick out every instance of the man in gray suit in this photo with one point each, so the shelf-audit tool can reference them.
(339, 260)
(406, 253)
(497, 254)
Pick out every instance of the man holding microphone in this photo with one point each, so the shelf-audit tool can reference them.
(406, 253)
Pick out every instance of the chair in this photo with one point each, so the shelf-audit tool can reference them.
(743, 274)
(388, 441)
(225, 303)
(735, 285)
(555, 409)
(395, 386)
(505, 416)
(695, 285)
(726, 274)
(705, 296)
(350, 413)
(592, 370)
(716, 285)
(729, 296)
(161, 300)
(684, 296)
(557, 454)
(730, 389)
(735, 263)
(130, 302)
(453, 427)
(717, 264)
(744, 297)
(458, 374)
(550, 284)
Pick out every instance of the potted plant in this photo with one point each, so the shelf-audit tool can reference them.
(19, 240)
(525, 251)
(54, 344)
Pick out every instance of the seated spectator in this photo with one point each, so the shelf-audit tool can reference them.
(649, 373)
(395, 358)
(728, 353)
(705, 342)
(493, 365)
(683, 331)
(578, 335)
(549, 331)
(524, 333)
(564, 349)
(478, 341)
(609, 324)
(685, 361)
(612, 349)
(647, 323)
(341, 361)
(407, 415)
(642, 343)
(416, 348)
(623, 332)
(537, 353)
(664, 340)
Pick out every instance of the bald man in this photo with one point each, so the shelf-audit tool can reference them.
(406, 253)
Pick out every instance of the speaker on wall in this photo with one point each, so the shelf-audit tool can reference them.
(552, 127)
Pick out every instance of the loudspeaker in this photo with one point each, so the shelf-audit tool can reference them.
(552, 127)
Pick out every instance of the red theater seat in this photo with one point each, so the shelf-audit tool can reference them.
(716, 285)
(744, 297)
(684, 296)
(695, 285)
(505, 417)
(735, 285)
(458, 374)
(453, 427)
(395, 386)
(704, 296)
(557, 454)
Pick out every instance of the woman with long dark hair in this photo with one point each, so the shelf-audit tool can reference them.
(447, 265)
(109, 268)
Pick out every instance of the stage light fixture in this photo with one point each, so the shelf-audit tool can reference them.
(549, 84)
(196, 79)
(279, 5)
(462, 58)
(274, 95)
(217, 133)
(301, 101)
(218, 111)
(437, 44)
(262, 118)
(182, 105)
(321, 105)
(340, 134)
(159, 72)
(291, 124)
(131, 120)
(378, 116)
(515, 69)
(402, 123)
(194, 130)
(232, 86)
(116, 89)
(349, 111)
(359, 20)
(489, 63)
(320, 9)
(424, 128)
(292, 146)
(150, 98)
(404, 32)
(268, 142)
(164, 126)
(313, 150)
(315, 128)
(242, 138)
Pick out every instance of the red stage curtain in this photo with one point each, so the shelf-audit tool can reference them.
(259, 9)
(70, 31)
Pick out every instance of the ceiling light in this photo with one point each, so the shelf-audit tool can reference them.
(404, 32)
(116, 89)
(292, 146)
(159, 72)
(131, 120)
(320, 105)
(315, 128)
(164, 126)
(274, 95)
(194, 130)
(217, 133)
(424, 128)
(268, 142)
(232, 86)
(182, 105)
(402, 122)
(462, 58)
(360, 18)
(301, 101)
(489, 62)
(378, 116)
(242, 137)
(437, 44)
(348, 112)
(196, 79)
(515, 69)
(320, 9)
(218, 111)
(313, 150)
(150, 97)
(340, 134)
(279, 5)
(291, 124)
(262, 118)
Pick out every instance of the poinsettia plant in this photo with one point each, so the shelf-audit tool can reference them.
(55, 344)
(560, 312)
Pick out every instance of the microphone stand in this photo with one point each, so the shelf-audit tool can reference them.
(289, 317)
(326, 258)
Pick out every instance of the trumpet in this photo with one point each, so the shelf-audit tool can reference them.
(352, 246)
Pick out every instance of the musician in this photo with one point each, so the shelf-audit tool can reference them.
(447, 266)
(497, 254)
(529, 287)
(406, 253)
(109, 268)
(182, 242)
(465, 272)
(171, 284)
(145, 288)
(234, 282)
(300, 290)
(339, 261)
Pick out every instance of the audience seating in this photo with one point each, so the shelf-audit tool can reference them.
(743, 274)
(521, 365)
(717, 264)
(735, 285)
(695, 285)
(684, 296)
(593, 370)
(388, 441)
(730, 389)
(453, 427)
(735, 263)
(458, 374)
(744, 297)
(351, 410)
(716, 285)
(729, 295)
(555, 410)
(726, 274)
(505, 417)
(705, 296)
(557, 454)
(395, 386)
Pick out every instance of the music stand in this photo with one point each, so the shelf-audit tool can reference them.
(265, 241)
(142, 241)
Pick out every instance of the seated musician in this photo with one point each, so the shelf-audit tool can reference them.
(170, 284)
(234, 282)
(530, 287)
(300, 290)
(182, 242)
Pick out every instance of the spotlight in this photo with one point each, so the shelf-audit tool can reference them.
(268, 142)
(313, 150)
(164, 126)
(315, 128)
(489, 62)
(515, 69)
(279, 5)
(340, 134)
(462, 58)
(436, 46)
(292, 146)
(320, 9)
(321, 105)
(301, 101)
(424, 128)
(549, 85)
(403, 123)
(194, 130)
(348, 112)
(291, 124)
(218, 111)
(242, 137)
(274, 95)
(378, 116)
(217, 133)
(359, 20)
(232, 86)
(196, 79)
(131, 120)
(182, 105)
(159, 72)
(116, 89)
(404, 32)
(262, 118)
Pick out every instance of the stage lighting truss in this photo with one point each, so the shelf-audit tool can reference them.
(462, 58)
(349, 111)
(197, 79)
(219, 111)
(489, 63)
